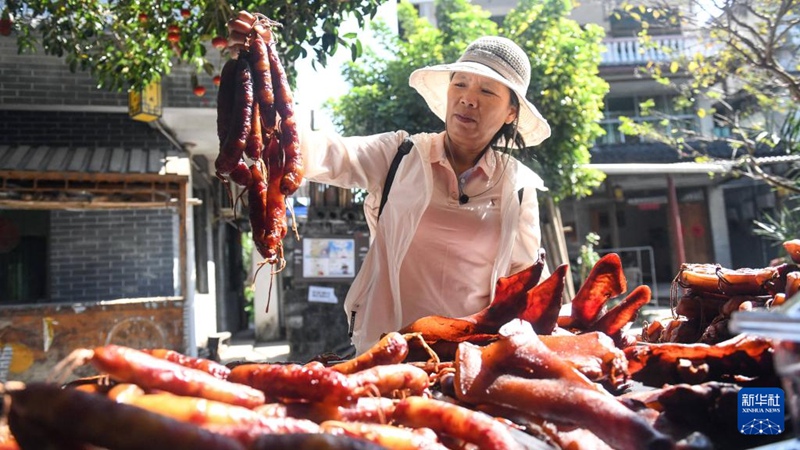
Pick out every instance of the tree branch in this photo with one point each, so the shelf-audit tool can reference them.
(734, 20)
(758, 173)
(789, 27)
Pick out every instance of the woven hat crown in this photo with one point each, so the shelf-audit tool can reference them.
(503, 56)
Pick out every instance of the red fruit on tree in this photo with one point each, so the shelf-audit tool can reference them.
(143, 17)
(216, 80)
(219, 42)
(174, 29)
(199, 91)
(185, 13)
(173, 37)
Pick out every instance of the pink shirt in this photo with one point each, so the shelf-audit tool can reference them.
(447, 270)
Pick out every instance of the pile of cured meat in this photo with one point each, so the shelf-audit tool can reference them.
(705, 296)
(515, 375)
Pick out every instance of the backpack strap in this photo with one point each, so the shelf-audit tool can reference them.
(402, 151)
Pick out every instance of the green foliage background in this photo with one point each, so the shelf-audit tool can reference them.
(565, 84)
(124, 44)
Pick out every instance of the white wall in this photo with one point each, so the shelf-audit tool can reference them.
(267, 291)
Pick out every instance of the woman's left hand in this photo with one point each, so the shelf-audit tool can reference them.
(239, 29)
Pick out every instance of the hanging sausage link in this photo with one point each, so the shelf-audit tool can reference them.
(290, 142)
(259, 141)
(262, 80)
(276, 215)
(241, 115)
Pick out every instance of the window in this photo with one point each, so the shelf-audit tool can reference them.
(621, 106)
(661, 21)
(679, 117)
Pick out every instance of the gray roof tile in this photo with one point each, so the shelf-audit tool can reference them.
(46, 158)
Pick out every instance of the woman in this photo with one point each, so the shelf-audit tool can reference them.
(461, 211)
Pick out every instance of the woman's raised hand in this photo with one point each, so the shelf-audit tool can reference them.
(239, 29)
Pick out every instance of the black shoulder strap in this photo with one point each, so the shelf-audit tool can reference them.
(402, 151)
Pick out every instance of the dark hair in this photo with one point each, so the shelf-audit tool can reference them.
(509, 132)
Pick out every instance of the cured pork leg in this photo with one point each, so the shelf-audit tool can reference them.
(483, 377)
(605, 280)
(593, 354)
(743, 356)
(544, 302)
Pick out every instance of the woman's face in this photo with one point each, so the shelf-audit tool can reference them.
(476, 109)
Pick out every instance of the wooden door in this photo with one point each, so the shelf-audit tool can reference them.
(696, 233)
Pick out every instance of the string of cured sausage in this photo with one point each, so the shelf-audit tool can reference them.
(259, 144)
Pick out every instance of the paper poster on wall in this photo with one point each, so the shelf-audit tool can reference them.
(329, 258)
(319, 294)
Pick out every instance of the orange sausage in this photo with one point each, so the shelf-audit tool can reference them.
(134, 366)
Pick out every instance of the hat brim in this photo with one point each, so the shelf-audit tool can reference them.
(431, 83)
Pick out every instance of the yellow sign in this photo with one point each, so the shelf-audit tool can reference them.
(145, 105)
(15, 358)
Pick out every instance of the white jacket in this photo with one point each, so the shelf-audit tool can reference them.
(373, 301)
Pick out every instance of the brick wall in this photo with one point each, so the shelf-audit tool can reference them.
(77, 129)
(104, 255)
(35, 79)
(94, 255)
(178, 89)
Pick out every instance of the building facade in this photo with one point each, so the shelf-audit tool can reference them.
(658, 208)
(112, 230)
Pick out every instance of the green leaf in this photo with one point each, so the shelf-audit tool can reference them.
(356, 50)
(98, 30)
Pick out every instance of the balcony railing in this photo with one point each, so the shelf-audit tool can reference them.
(678, 125)
(630, 51)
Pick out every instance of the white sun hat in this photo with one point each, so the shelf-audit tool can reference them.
(493, 57)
